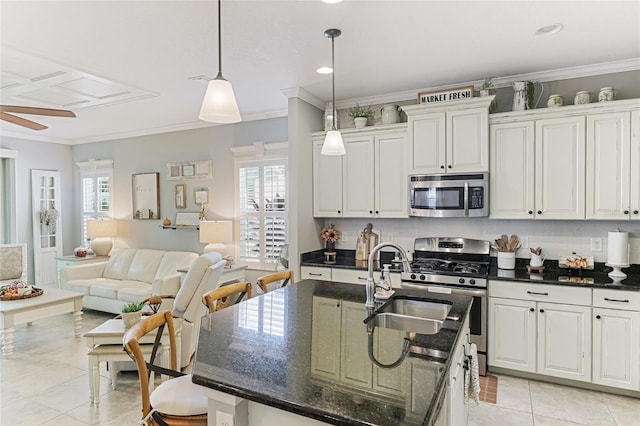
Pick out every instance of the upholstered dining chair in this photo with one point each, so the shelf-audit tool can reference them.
(285, 276)
(177, 401)
(220, 297)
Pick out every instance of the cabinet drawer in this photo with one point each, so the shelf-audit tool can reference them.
(351, 276)
(616, 299)
(540, 292)
(315, 273)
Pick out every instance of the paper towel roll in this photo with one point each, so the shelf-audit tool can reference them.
(618, 250)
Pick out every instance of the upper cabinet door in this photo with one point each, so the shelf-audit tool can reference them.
(560, 168)
(428, 143)
(358, 176)
(635, 165)
(467, 140)
(391, 181)
(608, 166)
(327, 183)
(512, 171)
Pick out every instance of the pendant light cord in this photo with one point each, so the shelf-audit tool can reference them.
(219, 42)
(333, 83)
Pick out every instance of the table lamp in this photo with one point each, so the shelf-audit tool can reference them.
(100, 231)
(215, 233)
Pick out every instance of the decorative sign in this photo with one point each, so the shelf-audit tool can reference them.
(454, 94)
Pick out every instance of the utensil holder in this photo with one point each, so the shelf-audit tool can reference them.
(506, 260)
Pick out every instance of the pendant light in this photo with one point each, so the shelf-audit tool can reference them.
(219, 104)
(333, 144)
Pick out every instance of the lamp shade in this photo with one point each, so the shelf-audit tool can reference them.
(333, 144)
(216, 233)
(219, 103)
(97, 228)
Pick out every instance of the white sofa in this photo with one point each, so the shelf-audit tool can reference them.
(130, 275)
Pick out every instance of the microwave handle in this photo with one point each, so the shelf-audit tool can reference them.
(466, 199)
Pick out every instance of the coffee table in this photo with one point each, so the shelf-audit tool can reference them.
(51, 303)
(104, 344)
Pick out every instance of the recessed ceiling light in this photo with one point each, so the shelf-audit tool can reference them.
(549, 29)
(324, 70)
(331, 1)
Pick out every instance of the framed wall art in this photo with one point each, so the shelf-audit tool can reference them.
(146, 198)
(181, 196)
(189, 170)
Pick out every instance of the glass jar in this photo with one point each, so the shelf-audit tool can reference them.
(606, 94)
(582, 97)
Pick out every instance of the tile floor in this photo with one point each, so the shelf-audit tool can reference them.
(45, 382)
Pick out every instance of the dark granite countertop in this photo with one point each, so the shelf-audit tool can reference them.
(552, 274)
(346, 259)
(261, 350)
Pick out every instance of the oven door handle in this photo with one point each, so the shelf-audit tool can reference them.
(466, 198)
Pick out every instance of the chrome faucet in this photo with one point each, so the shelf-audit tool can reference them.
(371, 282)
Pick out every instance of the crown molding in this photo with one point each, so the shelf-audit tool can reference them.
(299, 92)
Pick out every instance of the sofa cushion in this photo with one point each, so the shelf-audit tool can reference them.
(174, 260)
(119, 262)
(135, 294)
(144, 265)
(110, 288)
(10, 263)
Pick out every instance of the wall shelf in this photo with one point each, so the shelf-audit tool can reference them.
(181, 227)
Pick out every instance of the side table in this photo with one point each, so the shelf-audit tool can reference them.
(63, 261)
(104, 344)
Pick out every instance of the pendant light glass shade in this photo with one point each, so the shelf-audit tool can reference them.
(333, 144)
(219, 104)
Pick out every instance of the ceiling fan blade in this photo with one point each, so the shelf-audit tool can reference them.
(21, 121)
(37, 111)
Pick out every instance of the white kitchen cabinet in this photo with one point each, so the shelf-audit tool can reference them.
(616, 338)
(512, 171)
(372, 178)
(635, 165)
(538, 328)
(609, 166)
(350, 276)
(327, 183)
(512, 334)
(356, 369)
(449, 138)
(315, 273)
(325, 348)
(564, 341)
(560, 168)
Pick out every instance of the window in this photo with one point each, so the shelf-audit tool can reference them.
(262, 210)
(96, 186)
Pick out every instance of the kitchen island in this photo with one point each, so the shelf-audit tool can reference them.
(300, 355)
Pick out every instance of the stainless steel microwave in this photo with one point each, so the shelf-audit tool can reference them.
(449, 195)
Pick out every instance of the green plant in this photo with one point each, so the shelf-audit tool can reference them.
(132, 307)
(487, 84)
(360, 111)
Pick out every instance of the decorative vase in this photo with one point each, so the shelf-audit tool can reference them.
(360, 122)
(606, 94)
(555, 101)
(330, 252)
(390, 114)
(582, 97)
(131, 318)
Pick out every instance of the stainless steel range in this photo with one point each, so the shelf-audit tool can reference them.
(455, 266)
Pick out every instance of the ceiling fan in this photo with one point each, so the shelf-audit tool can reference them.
(7, 111)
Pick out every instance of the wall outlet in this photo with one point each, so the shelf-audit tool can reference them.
(596, 244)
(524, 242)
(224, 419)
(344, 237)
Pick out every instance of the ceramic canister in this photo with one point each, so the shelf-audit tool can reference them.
(606, 94)
(555, 101)
(583, 97)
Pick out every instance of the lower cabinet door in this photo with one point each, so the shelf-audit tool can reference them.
(325, 338)
(616, 348)
(564, 341)
(512, 334)
(353, 371)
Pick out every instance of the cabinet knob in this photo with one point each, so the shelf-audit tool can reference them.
(532, 310)
(530, 211)
(539, 211)
(339, 211)
(442, 166)
(542, 311)
(598, 317)
(338, 304)
(449, 165)
(370, 211)
(626, 212)
(635, 212)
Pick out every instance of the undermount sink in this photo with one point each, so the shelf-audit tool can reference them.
(411, 314)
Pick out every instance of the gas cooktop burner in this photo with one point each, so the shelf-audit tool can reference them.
(427, 266)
